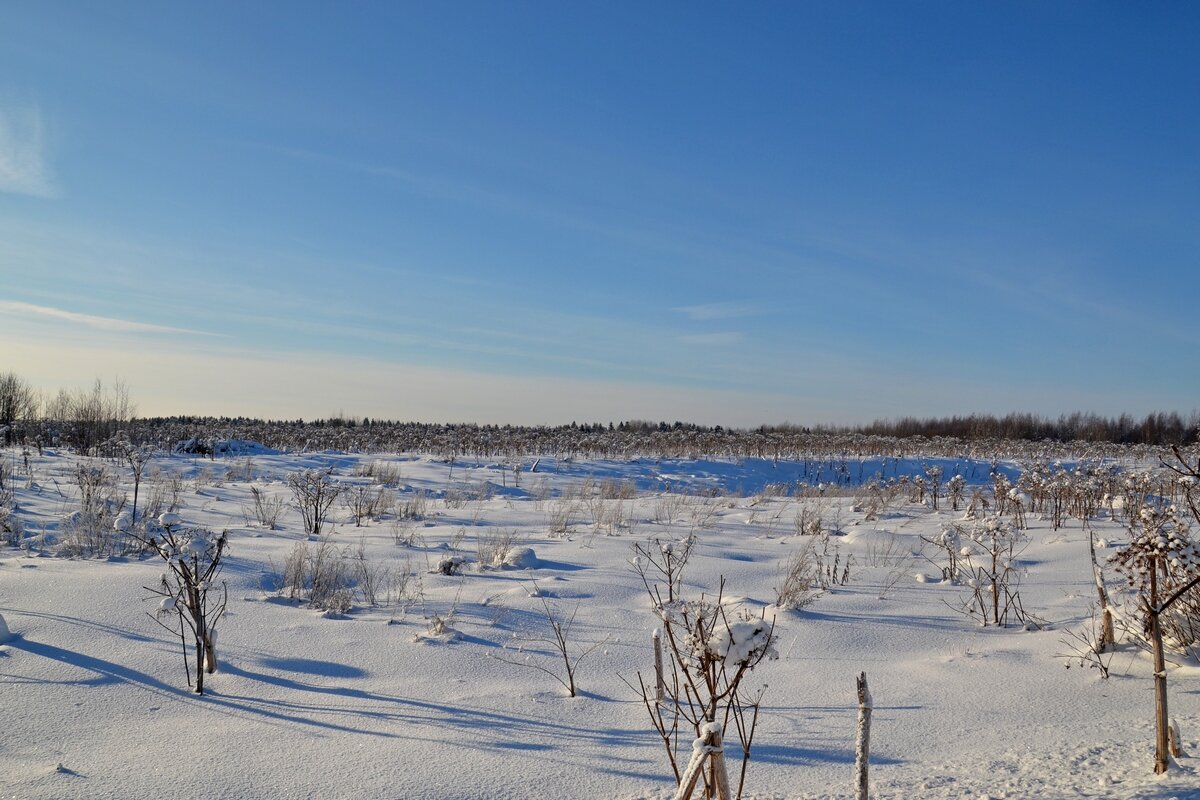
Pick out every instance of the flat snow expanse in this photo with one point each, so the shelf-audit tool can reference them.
(369, 704)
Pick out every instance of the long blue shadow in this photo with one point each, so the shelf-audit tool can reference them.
(106, 672)
(97, 626)
(309, 666)
(791, 756)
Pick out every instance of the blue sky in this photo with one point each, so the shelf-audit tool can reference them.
(539, 212)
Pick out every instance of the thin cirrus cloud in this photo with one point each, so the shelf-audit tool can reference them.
(23, 167)
(110, 324)
(713, 339)
(711, 311)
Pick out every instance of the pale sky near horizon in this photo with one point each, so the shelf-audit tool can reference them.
(543, 212)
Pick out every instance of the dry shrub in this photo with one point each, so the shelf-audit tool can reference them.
(319, 575)
(800, 578)
(493, 548)
(367, 503)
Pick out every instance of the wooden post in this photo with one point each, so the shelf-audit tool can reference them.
(717, 758)
(659, 686)
(862, 750)
(1161, 744)
(687, 784)
(707, 749)
(195, 609)
(1107, 636)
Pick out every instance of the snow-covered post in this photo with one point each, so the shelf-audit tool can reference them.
(5, 634)
(1107, 636)
(717, 759)
(659, 686)
(708, 746)
(1160, 680)
(862, 749)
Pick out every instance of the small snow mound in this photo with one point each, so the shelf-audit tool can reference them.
(742, 601)
(329, 613)
(5, 634)
(521, 558)
(445, 636)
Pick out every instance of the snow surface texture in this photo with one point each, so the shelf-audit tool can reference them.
(373, 703)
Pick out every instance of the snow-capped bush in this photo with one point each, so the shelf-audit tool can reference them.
(992, 573)
(744, 642)
(1162, 548)
(187, 591)
(710, 656)
(11, 529)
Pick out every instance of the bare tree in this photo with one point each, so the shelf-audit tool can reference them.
(365, 502)
(935, 484)
(955, 489)
(86, 418)
(662, 559)
(559, 639)
(137, 458)
(18, 402)
(315, 492)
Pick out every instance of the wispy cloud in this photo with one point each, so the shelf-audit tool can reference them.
(711, 311)
(23, 168)
(167, 379)
(101, 323)
(714, 339)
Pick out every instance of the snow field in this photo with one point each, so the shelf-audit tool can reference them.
(370, 704)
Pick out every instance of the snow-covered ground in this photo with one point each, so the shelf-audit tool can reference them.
(375, 704)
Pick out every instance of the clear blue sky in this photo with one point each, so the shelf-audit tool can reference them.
(537, 212)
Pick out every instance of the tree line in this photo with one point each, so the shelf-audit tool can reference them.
(84, 418)
(1162, 428)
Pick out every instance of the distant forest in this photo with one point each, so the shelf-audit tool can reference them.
(87, 417)
(1159, 428)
